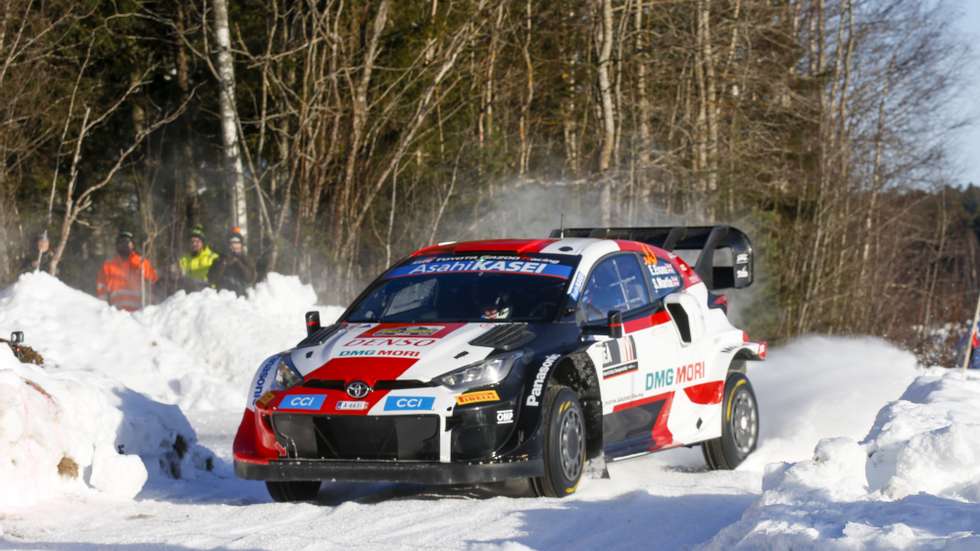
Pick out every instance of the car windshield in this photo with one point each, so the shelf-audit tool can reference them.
(475, 288)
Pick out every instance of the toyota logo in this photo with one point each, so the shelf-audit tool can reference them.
(358, 390)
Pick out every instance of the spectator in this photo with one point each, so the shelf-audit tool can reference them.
(38, 259)
(968, 344)
(972, 350)
(125, 280)
(234, 271)
(194, 266)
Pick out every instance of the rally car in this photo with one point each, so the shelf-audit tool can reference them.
(484, 361)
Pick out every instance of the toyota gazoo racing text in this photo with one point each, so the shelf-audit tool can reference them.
(484, 361)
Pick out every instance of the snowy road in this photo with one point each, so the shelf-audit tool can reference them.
(656, 502)
(849, 464)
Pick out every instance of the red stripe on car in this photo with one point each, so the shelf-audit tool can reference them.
(706, 393)
(369, 370)
(660, 317)
(642, 401)
(517, 246)
(661, 436)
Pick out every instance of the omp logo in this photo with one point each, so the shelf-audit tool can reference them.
(409, 403)
(311, 402)
(533, 398)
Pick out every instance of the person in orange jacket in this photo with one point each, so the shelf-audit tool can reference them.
(120, 282)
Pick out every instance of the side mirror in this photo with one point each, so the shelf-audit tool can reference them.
(312, 322)
(17, 337)
(616, 324)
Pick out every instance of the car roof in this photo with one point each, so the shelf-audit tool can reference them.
(574, 246)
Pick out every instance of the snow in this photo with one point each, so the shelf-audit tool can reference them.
(818, 386)
(912, 482)
(196, 350)
(860, 448)
(66, 431)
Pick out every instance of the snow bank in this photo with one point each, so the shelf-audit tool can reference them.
(816, 387)
(913, 482)
(65, 430)
(197, 350)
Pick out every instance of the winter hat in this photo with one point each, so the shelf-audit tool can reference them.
(198, 232)
(236, 235)
(124, 234)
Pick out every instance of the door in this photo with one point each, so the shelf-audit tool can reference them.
(618, 283)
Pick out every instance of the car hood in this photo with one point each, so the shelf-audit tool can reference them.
(372, 352)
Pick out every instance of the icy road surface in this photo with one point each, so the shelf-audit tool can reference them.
(854, 454)
(661, 501)
(655, 502)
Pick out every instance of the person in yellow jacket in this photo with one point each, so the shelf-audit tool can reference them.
(194, 266)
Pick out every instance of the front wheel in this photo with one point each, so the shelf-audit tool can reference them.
(563, 430)
(739, 426)
(293, 490)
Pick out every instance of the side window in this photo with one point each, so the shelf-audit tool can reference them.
(631, 278)
(602, 292)
(663, 278)
(616, 283)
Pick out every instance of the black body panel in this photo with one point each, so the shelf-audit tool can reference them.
(389, 471)
(391, 437)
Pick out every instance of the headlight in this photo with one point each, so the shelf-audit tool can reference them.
(487, 372)
(287, 376)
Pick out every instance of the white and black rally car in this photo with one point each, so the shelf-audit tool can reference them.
(484, 361)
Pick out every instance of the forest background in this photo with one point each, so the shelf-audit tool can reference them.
(342, 134)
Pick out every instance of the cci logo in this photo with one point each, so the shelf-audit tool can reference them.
(409, 403)
(303, 401)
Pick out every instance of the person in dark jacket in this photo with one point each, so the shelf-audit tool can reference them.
(38, 259)
(234, 270)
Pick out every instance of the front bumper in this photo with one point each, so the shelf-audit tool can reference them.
(417, 472)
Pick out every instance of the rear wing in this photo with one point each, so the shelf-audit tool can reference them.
(724, 261)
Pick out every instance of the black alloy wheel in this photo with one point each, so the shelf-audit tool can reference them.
(739, 426)
(564, 443)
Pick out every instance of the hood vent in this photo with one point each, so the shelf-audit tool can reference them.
(319, 337)
(505, 337)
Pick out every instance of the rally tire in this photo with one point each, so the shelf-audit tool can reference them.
(564, 453)
(739, 426)
(293, 490)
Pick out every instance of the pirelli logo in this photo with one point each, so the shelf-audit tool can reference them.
(477, 397)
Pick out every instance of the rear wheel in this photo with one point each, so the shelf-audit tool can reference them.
(293, 490)
(739, 426)
(564, 443)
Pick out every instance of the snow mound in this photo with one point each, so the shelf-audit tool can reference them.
(913, 482)
(197, 350)
(815, 387)
(66, 430)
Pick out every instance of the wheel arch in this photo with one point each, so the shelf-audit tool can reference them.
(577, 372)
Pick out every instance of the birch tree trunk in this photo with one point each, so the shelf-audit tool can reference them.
(229, 117)
(604, 43)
